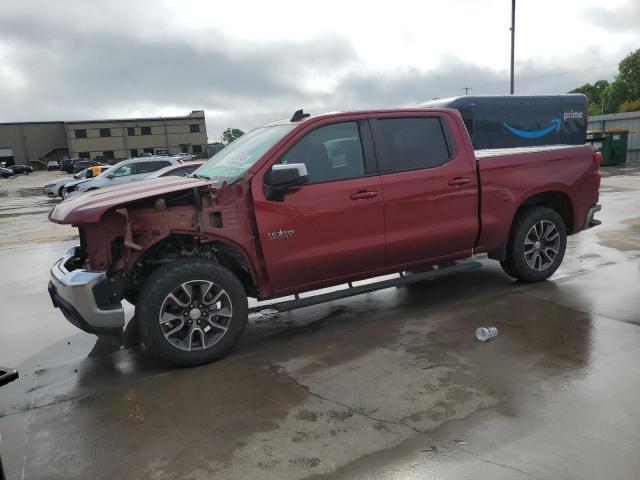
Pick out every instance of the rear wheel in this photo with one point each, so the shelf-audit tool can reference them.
(191, 312)
(536, 246)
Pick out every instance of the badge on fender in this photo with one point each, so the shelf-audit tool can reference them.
(280, 234)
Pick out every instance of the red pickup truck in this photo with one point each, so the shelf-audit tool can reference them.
(312, 202)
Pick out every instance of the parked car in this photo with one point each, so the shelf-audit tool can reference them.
(6, 172)
(54, 189)
(310, 203)
(25, 169)
(177, 170)
(123, 172)
(185, 157)
(67, 164)
(53, 165)
(82, 164)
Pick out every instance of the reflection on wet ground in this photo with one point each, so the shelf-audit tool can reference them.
(24, 209)
(386, 385)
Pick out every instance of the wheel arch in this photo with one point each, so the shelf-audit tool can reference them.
(176, 246)
(557, 200)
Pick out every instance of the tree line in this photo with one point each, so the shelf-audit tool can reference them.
(621, 95)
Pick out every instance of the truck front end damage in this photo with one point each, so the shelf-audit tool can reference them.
(90, 300)
(125, 237)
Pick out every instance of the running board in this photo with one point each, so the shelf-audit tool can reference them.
(403, 279)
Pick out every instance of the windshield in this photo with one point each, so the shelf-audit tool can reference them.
(230, 163)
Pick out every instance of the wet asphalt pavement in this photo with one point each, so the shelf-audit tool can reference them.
(388, 385)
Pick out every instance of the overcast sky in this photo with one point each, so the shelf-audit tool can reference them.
(249, 62)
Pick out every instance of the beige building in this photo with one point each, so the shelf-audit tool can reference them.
(38, 142)
(119, 139)
(24, 141)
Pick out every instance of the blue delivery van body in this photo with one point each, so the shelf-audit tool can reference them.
(504, 121)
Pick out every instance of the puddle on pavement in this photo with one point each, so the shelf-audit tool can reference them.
(625, 240)
(20, 214)
(22, 192)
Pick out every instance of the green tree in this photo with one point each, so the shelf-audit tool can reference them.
(615, 94)
(609, 97)
(629, 75)
(593, 92)
(231, 134)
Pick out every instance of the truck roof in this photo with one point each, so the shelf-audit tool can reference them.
(288, 121)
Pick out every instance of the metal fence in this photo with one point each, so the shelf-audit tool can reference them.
(630, 120)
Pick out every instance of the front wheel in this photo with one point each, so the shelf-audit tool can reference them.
(191, 312)
(536, 245)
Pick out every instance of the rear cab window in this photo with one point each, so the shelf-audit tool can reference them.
(411, 143)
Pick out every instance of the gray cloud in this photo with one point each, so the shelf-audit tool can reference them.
(72, 72)
(617, 18)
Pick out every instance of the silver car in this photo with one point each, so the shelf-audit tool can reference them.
(123, 172)
(54, 189)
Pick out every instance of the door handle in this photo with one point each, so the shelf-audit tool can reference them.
(363, 194)
(459, 181)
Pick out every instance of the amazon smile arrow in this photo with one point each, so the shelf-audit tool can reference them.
(555, 125)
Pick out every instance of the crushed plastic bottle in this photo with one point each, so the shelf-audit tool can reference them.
(485, 333)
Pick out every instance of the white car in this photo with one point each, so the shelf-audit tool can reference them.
(185, 157)
(54, 189)
(123, 172)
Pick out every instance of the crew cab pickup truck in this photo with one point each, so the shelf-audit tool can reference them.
(313, 202)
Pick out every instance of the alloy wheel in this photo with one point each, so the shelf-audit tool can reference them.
(542, 245)
(195, 315)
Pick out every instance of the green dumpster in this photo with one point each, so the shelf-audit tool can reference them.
(612, 144)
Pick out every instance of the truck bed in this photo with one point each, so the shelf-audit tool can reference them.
(507, 175)
(496, 152)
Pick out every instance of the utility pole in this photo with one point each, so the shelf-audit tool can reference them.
(466, 90)
(513, 38)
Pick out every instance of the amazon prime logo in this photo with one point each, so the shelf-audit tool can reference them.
(280, 234)
(572, 114)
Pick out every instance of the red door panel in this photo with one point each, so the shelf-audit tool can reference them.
(430, 213)
(330, 230)
(430, 191)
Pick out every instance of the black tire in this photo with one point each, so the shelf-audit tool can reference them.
(166, 280)
(60, 191)
(546, 262)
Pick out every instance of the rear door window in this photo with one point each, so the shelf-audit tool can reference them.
(467, 118)
(405, 144)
